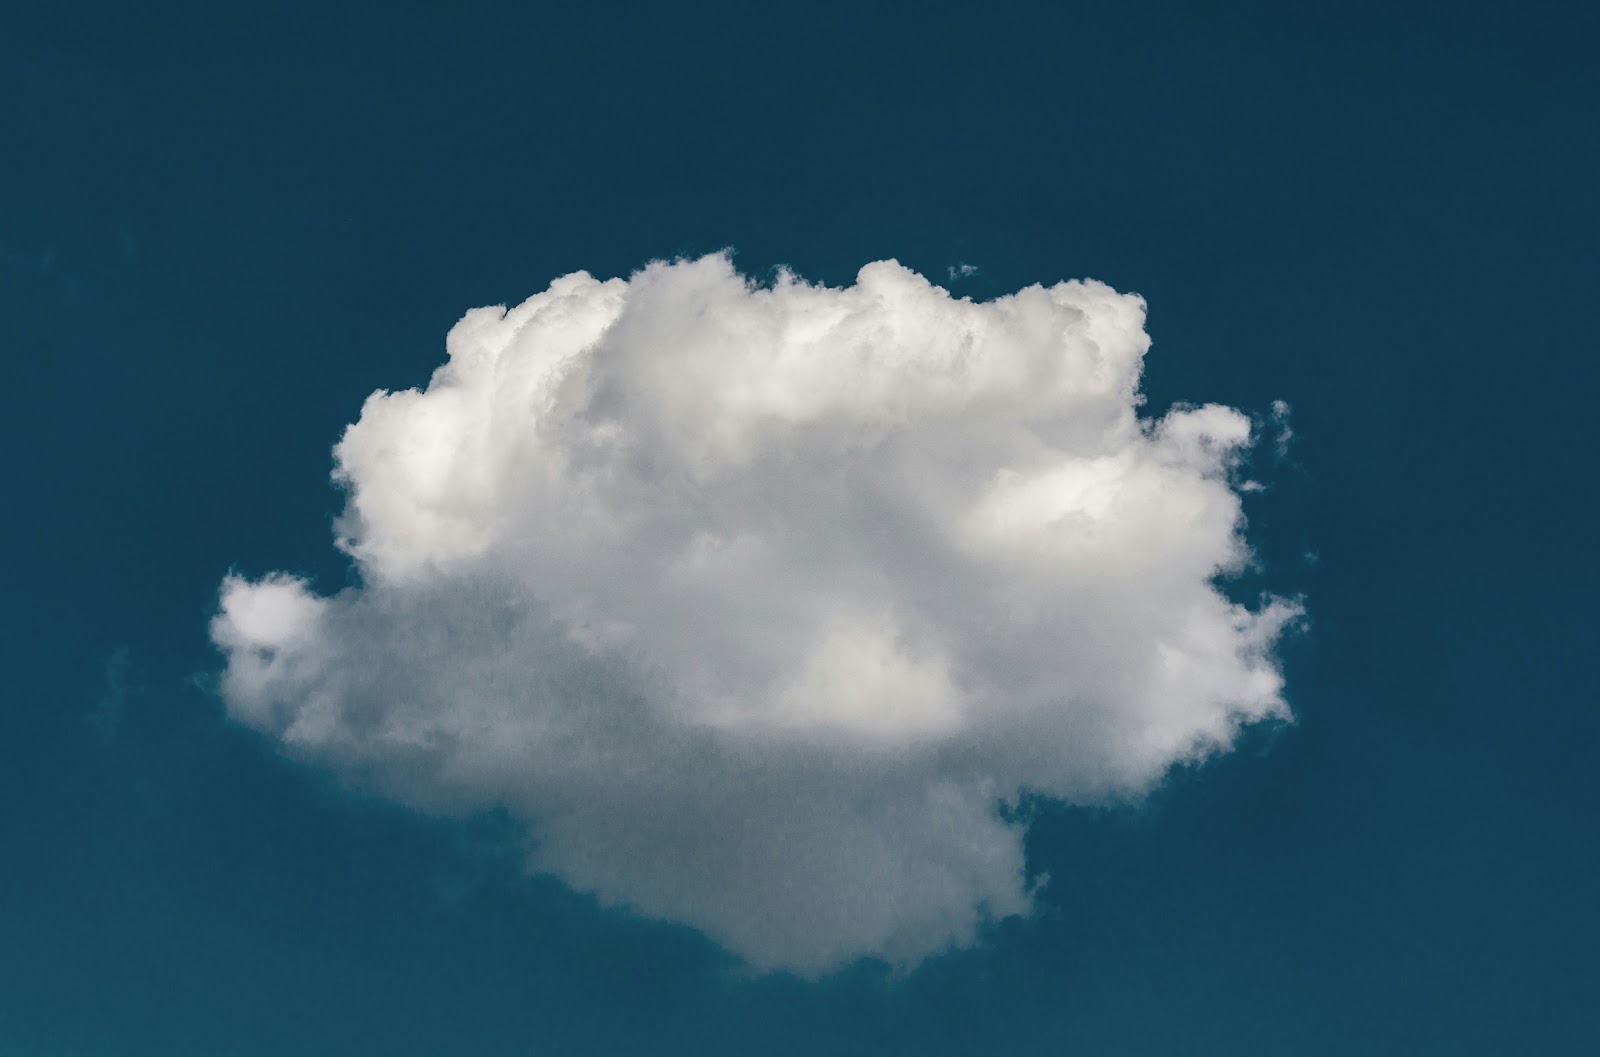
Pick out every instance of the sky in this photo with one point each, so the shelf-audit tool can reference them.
(1255, 341)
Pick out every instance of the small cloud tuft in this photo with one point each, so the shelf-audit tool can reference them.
(120, 682)
(1280, 419)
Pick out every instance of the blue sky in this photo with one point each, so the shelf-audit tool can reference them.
(222, 230)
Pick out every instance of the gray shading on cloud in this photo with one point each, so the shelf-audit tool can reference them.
(754, 602)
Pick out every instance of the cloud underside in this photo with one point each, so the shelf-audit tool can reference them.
(754, 601)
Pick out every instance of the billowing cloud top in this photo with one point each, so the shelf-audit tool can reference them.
(755, 601)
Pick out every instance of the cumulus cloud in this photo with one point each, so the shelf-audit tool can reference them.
(754, 601)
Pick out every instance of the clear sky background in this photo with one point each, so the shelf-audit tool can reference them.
(223, 226)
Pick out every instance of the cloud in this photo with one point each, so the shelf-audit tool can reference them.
(1280, 419)
(754, 602)
(121, 681)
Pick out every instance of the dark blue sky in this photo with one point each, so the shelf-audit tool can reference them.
(222, 227)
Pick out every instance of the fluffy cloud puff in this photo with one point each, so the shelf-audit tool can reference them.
(754, 601)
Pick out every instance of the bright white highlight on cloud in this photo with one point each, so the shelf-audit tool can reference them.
(755, 601)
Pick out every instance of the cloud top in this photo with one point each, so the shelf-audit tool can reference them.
(754, 601)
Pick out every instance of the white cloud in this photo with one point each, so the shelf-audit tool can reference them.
(1280, 419)
(754, 602)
